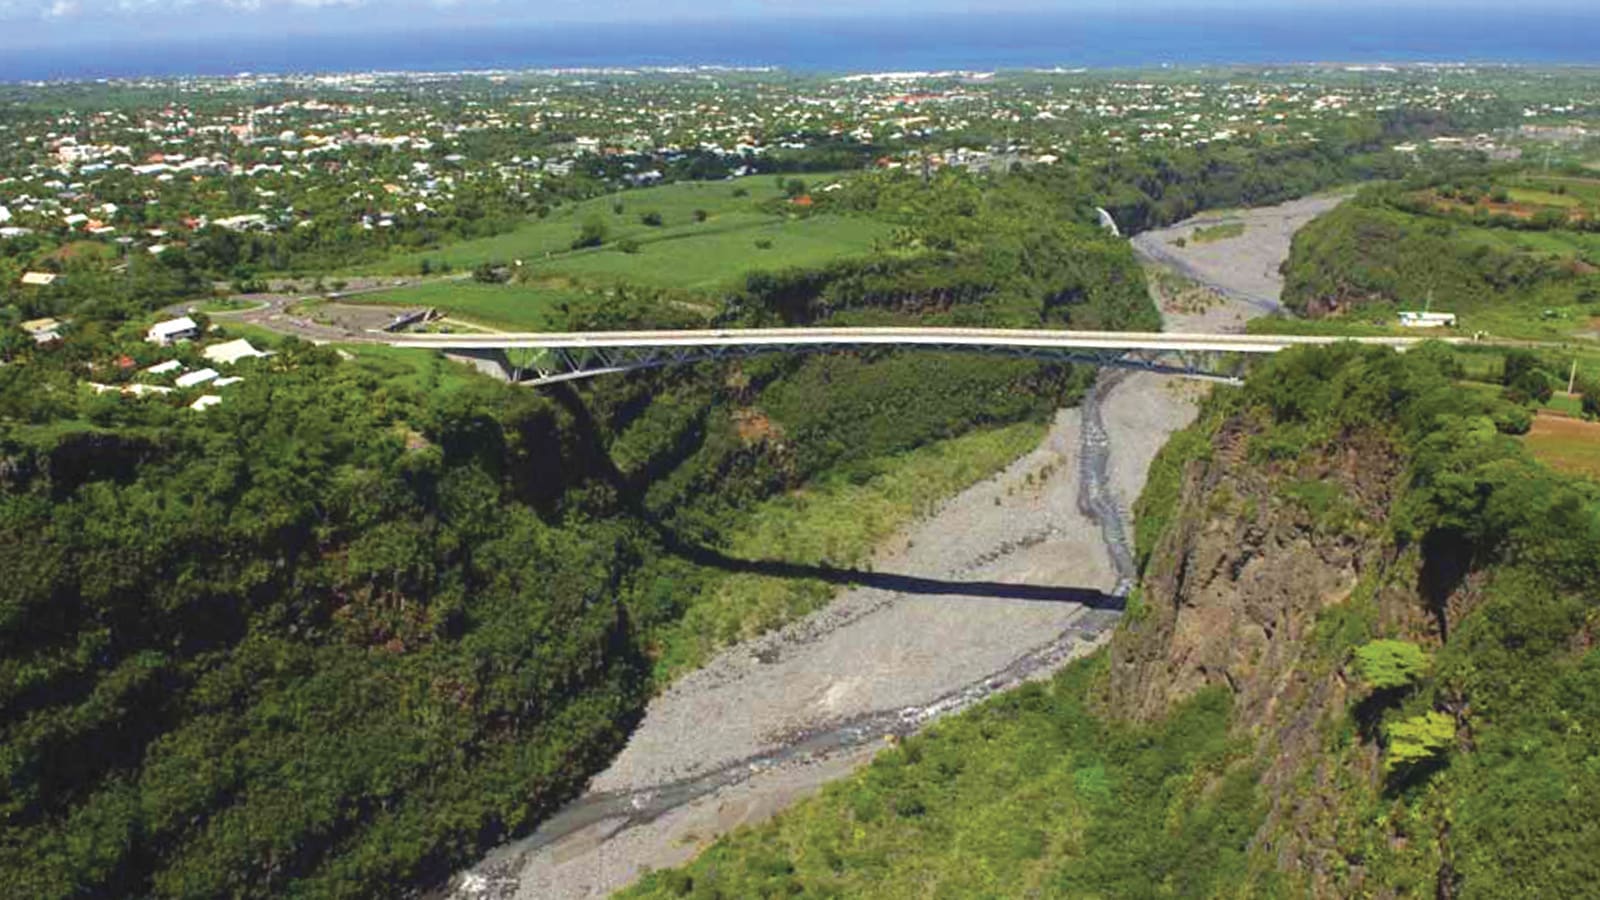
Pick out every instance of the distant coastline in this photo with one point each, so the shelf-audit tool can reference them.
(1063, 43)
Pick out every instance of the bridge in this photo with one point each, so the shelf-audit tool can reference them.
(537, 358)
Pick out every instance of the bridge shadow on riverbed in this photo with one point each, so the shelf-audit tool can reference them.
(631, 496)
(888, 581)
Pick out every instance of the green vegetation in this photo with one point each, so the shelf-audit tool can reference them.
(1486, 722)
(1395, 247)
(369, 615)
(835, 522)
(1566, 445)
(1035, 792)
(1419, 739)
(1388, 664)
(719, 257)
(737, 205)
(1211, 234)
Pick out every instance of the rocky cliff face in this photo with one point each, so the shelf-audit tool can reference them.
(1258, 552)
(1255, 552)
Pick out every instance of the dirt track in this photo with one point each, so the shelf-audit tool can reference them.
(770, 721)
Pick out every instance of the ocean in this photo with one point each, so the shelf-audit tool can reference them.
(973, 41)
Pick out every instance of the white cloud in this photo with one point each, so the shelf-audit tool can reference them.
(61, 9)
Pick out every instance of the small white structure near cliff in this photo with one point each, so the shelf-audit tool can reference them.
(1427, 319)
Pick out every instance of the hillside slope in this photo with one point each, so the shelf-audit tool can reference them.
(1359, 664)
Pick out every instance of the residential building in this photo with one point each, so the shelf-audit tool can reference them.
(182, 328)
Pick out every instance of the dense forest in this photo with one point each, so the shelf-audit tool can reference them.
(369, 616)
(1360, 663)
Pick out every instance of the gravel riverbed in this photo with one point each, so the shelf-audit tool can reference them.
(1011, 581)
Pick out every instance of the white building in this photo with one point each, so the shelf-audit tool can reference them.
(206, 402)
(43, 331)
(197, 377)
(182, 328)
(230, 352)
(1410, 319)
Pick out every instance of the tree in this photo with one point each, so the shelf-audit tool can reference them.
(592, 234)
(794, 187)
(1389, 664)
(1419, 739)
(652, 218)
(1522, 374)
(700, 215)
(1589, 391)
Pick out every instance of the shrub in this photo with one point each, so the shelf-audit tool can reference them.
(592, 234)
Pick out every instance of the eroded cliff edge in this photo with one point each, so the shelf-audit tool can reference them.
(1401, 606)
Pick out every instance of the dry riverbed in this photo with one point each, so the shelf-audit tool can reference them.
(1005, 582)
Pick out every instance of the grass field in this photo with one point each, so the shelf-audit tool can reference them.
(1537, 197)
(719, 258)
(1568, 445)
(728, 205)
(512, 307)
(704, 262)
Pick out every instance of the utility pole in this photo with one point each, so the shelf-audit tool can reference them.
(1572, 379)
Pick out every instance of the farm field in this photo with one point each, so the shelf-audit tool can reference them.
(1569, 445)
(728, 205)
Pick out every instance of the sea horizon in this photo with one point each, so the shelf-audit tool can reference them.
(1119, 40)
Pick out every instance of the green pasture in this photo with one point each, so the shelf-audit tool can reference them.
(719, 258)
(729, 205)
(511, 307)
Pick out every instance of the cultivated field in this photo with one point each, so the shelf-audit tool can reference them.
(1570, 445)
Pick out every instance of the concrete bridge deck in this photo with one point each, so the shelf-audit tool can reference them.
(548, 357)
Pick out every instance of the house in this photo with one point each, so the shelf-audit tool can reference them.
(1427, 319)
(43, 331)
(38, 279)
(230, 352)
(224, 382)
(197, 377)
(205, 402)
(182, 328)
(164, 368)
